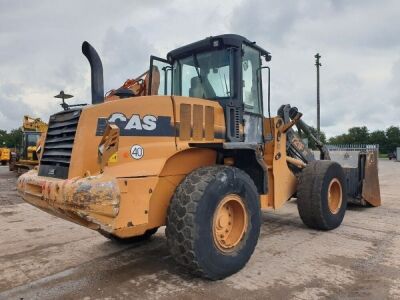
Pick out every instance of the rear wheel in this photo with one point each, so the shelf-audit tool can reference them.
(214, 221)
(321, 195)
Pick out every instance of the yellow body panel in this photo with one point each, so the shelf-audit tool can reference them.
(129, 192)
(141, 188)
(156, 148)
(5, 154)
(281, 181)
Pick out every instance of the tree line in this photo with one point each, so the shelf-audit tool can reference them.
(387, 139)
(12, 139)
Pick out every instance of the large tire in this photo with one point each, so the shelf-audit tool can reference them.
(131, 240)
(195, 215)
(321, 195)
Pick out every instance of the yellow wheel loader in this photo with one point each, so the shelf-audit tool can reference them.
(33, 131)
(4, 156)
(186, 145)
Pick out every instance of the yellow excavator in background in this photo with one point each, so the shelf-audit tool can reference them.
(187, 145)
(33, 131)
(4, 155)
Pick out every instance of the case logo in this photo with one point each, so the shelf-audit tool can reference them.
(137, 125)
(149, 122)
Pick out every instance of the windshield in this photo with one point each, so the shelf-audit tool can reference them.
(204, 75)
(32, 139)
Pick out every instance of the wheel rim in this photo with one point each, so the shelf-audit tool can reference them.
(229, 222)
(334, 196)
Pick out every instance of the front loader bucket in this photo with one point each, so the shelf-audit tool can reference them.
(370, 191)
(361, 170)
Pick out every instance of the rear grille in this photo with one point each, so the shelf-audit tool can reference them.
(59, 142)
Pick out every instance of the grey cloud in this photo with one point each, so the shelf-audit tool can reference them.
(126, 55)
(359, 45)
(272, 20)
(40, 51)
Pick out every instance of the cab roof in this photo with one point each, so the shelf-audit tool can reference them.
(214, 42)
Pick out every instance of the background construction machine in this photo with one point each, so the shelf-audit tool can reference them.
(4, 155)
(186, 145)
(26, 158)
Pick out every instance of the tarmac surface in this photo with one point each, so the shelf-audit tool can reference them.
(43, 257)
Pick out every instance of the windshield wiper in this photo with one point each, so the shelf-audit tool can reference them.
(197, 67)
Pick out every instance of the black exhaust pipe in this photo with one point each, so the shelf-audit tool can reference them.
(96, 70)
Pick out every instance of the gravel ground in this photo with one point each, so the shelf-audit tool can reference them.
(44, 257)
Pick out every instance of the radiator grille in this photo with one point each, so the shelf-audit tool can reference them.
(58, 145)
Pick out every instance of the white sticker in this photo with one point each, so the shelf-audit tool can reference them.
(137, 151)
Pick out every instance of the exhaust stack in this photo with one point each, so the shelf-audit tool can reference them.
(96, 70)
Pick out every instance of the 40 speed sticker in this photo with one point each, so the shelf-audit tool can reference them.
(137, 151)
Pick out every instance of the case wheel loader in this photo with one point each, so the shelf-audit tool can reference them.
(186, 145)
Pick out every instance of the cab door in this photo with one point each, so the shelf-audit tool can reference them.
(252, 95)
(160, 77)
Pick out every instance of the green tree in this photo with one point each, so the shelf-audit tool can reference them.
(393, 137)
(15, 138)
(340, 139)
(387, 140)
(379, 137)
(311, 143)
(3, 137)
(359, 135)
(355, 135)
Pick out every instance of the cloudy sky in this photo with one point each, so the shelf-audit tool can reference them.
(359, 42)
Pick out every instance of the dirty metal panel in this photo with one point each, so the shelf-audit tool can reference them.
(371, 190)
(347, 159)
(209, 123)
(185, 122)
(197, 122)
(352, 182)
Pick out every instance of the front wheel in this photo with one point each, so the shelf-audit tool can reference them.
(213, 221)
(321, 195)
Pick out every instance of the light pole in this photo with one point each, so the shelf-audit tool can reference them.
(318, 64)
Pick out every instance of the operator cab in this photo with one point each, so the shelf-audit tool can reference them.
(225, 68)
(29, 139)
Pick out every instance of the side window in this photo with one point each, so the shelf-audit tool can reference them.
(251, 81)
(188, 71)
(160, 78)
(219, 79)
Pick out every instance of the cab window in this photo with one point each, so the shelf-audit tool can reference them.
(251, 64)
(204, 75)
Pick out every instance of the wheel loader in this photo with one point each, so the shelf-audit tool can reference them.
(4, 155)
(27, 158)
(186, 145)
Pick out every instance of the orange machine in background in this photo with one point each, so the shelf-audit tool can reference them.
(26, 158)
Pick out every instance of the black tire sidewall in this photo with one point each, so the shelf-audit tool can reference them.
(217, 263)
(333, 171)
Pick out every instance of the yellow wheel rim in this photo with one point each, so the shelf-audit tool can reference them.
(229, 222)
(335, 196)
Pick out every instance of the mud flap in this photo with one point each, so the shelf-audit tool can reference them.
(362, 181)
